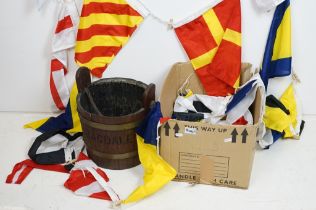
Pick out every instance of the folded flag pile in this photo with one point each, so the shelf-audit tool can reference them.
(225, 110)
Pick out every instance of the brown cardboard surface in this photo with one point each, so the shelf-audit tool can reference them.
(246, 73)
(204, 153)
(207, 169)
(232, 160)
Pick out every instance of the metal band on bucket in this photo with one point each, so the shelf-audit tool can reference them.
(107, 127)
(121, 156)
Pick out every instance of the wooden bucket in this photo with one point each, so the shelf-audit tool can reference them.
(110, 109)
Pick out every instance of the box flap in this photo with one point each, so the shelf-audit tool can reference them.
(176, 77)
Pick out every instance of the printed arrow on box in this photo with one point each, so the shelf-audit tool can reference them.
(234, 135)
(167, 128)
(176, 129)
(244, 135)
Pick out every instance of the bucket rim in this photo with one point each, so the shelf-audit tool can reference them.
(139, 114)
(120, 79)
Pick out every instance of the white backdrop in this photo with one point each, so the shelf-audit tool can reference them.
(25, 49)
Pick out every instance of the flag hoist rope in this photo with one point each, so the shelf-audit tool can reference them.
(145, 11)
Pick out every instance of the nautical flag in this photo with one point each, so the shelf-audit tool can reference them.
(64, 39)
(50, 151)
(157, 172)
(23, 169)
(277, 60)
(240, 95)
(105, 26)
(225, 110)
(87, 179)
(283, 120)
(213, 44)
(69, 120)
(245, 96)
(56, 147)
(213, 106)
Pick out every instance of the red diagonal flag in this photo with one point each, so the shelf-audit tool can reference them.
(213, 44)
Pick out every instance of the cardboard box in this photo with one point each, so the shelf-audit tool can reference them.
(201, 152)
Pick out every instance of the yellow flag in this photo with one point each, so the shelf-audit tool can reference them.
(276, 119)
(157, 172)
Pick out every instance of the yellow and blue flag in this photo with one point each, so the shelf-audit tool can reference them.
(282, 116)
(157, 172)
(69, 120)
(277, 60)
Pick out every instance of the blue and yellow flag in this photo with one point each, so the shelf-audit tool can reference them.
(157, 172)
(282, 118)
(277, 60)
(69, 120)
(240, 95)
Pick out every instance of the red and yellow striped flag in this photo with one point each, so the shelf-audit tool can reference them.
(213, 44)
(105, 26)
